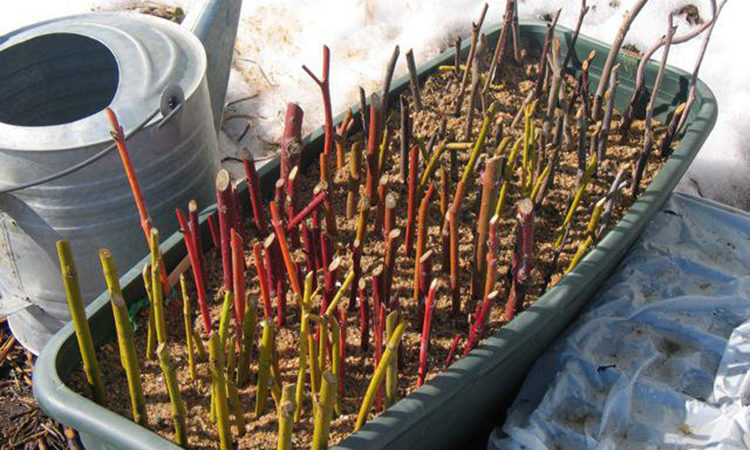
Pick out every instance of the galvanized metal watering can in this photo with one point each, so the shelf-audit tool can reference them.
(166, 83)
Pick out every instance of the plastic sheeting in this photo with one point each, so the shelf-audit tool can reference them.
(660, 358)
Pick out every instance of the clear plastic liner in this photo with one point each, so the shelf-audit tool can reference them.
(660, 358)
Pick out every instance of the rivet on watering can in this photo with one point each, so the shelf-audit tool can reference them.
(172, 100)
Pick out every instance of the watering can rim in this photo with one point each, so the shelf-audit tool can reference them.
(32, 31)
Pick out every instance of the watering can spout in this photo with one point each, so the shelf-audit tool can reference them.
(215, 23)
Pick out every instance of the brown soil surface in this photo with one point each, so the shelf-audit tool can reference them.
(22, 424)
(438, 93)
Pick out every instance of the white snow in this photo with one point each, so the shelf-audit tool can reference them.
(277, 36)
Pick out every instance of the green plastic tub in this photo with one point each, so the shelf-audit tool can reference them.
(449, 411)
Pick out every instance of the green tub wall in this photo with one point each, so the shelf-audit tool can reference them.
(448, 411)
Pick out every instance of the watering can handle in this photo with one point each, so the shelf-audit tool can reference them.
(171, 105)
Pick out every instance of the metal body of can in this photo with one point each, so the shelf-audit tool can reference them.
(56, 79)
